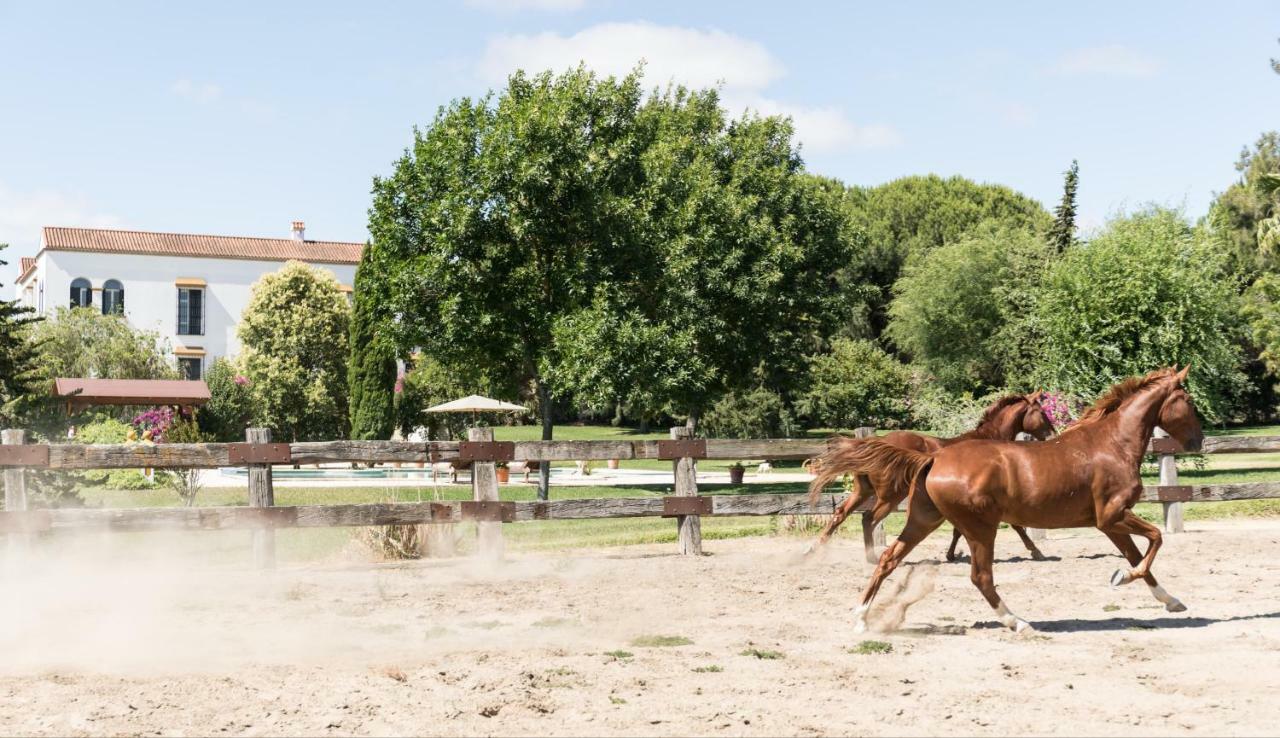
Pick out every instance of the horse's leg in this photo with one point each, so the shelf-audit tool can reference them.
(922, 519)
(952, 555)
(1030, 544)
(1131, 552)
(846, 508)
(1130, 524)
(981, 537)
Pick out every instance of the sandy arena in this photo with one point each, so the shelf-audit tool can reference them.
(102, 640)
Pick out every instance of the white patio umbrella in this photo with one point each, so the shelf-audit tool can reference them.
(475, 404)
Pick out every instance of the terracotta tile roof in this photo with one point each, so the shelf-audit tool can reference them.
(184, 244)
(26, 264)
(84, 392)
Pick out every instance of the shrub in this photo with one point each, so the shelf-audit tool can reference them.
(856, 384)
(230, 405)
(760, 413)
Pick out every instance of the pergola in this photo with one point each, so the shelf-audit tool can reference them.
(82, 393)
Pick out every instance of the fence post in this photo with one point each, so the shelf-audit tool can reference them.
(1035, 534)
(1169, 478)
(872, 535)
(688, 527)
(15, 486)
(261, 494)
(484, 487)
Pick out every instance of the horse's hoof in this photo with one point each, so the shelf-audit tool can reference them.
(1022, 627)
(1035, 554)
(1176, 606)
(1121, 578)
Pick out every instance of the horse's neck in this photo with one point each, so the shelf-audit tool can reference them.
(1003, 427)
(1135, 421)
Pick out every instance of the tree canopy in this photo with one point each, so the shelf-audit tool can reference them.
(1142, 294)
(294, 333)
(961, 310)
(914, 215)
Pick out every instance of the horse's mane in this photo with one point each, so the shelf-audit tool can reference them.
(1115, 396)
(990, 414)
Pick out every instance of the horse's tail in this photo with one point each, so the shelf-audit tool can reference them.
(888, 466)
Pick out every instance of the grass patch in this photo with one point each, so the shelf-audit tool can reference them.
(619, 654)
(660, 641)
(763, 655)
(872, 647)
(553, 622)
(1110, 608)
(709, 669)
(489, 624)
(617, 700)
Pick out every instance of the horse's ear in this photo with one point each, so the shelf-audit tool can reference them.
(1036, 396)
(1182, 375)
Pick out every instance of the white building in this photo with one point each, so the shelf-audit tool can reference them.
(191, 289)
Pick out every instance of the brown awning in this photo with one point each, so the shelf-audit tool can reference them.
(86, 392)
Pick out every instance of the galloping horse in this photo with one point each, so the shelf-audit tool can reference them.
(1087, 476)
(1003, 420)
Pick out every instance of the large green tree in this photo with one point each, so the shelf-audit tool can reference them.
(1143, 294)
(372, 366)
(294, 332)
(962, 310)
(82, 342)
(19, 369)
(1241, 213)
(736, 282)
(500, 219)
(911, 216)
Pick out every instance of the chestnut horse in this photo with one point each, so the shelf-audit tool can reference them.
(1087, 476)
(1003, 420)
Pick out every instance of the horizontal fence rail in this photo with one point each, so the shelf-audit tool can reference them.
(685, 504)
(215, 455)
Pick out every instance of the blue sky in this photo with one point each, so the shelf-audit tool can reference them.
(238, 117)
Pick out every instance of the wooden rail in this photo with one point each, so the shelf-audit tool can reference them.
(262, 516)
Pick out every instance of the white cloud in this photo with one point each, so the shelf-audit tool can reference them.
(197, 92)
(23, 214)
(511, 6)
(1114, 60)
(744, 69)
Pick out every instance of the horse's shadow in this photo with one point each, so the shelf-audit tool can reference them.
(1080, 625)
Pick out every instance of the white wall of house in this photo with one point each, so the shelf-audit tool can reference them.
(151, 291)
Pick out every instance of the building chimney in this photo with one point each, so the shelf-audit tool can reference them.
(299, 230)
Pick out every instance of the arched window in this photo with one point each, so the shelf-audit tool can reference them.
(112, 297)
(81, 293)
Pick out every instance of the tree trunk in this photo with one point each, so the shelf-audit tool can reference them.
(692, 421)
(548, 420)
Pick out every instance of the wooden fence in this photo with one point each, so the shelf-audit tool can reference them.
(686, 505)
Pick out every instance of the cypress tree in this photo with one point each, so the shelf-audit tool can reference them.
(1063, 232)
(371, 370)
(19, 377)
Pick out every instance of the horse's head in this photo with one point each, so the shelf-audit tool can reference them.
(1178, 413)
(1033, 418)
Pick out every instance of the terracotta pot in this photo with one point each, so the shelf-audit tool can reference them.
(504, 474)
(613, 463)
(735, 474)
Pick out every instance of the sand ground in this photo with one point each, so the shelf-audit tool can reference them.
(104, 639)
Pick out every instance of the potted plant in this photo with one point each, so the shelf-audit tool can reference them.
(736, 470)
(613, 463)
(504, 473)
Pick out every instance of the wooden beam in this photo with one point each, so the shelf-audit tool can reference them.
(484, 488)
(688, 527)
(262, 495)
